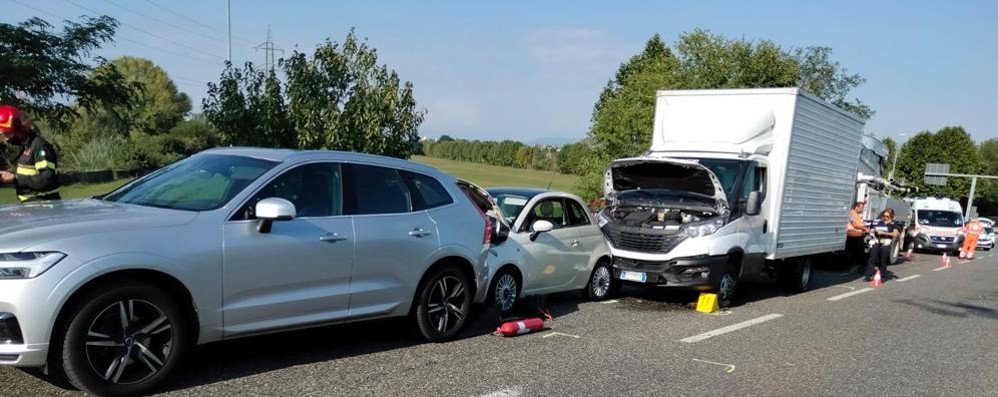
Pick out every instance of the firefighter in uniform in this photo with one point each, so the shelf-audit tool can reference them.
(35, 178)
(971, 232)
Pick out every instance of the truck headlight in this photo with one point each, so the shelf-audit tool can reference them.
(706, 228)
(23, 265)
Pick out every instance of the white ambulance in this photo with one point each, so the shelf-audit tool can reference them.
(938, 224)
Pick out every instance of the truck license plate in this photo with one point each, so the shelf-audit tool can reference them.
(633, 276)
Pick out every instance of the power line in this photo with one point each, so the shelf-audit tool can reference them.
(268, 48)
(119, 38)
(167, 23)
(246, 42)
(145, 31)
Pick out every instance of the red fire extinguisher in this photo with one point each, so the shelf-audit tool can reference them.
(520, 327)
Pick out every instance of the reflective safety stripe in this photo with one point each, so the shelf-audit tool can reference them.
(41, 165)
(33, 195)
(22, 170)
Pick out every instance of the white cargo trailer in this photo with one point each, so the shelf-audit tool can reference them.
(735, 182)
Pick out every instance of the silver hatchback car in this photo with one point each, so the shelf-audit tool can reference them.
(232, 242)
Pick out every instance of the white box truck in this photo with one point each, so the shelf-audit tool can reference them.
(736, 182)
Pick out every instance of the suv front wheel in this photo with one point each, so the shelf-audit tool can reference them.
(124, 338)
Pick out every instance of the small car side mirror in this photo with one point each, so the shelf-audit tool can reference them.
(539, 227)
(273, 209)
(754, 203)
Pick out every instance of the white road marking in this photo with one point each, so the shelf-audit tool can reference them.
(940, 268)
(507, 392)
(846, 287)
(848, 294)
(912, 277)
(727, 367)
(561, 334)
(962, 262)
(730, 328)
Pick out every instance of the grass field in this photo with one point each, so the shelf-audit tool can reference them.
(490, 176)
(479, 174)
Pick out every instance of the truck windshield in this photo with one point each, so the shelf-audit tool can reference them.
(940, 218)
(727, 172)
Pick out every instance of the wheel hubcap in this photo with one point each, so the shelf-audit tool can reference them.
(506, 292)
(129, 341)
(447, 303)
(805, 275)
(601, 281)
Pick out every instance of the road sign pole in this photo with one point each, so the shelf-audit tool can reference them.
(970, 198)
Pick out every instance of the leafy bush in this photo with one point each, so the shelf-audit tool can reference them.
(101, 153)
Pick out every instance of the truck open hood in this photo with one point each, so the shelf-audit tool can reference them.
(659, 173)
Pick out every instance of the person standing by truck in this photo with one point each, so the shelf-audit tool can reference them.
(884, 232)
(35, 177)
(971, 232)
(856, 231)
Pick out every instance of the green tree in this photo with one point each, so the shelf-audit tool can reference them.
(158, 105)
(950, 145)
(892, 147)
(445, 138)
(225, 106)
(46, 72)
(987, 200)
(623, 114)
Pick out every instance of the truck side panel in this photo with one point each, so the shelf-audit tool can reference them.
(819, 182)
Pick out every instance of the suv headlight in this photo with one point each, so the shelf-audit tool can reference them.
(23, 265)
(705, 228)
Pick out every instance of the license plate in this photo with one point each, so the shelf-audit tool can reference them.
(940, 245)
(634, 276)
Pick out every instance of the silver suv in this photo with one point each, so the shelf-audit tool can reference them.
(111, 291)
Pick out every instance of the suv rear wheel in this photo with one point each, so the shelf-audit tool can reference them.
(443, 303)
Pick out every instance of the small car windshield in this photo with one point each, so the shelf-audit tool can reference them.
(199, 183)
(511, 206)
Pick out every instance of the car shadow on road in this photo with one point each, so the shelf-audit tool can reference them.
(956, 309)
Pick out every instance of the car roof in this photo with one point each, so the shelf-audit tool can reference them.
(283, 155)
(527, 192)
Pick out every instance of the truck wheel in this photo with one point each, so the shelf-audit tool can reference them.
(726, 286)
(796, 276)
(124, 338)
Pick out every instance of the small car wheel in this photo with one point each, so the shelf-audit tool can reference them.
(601, 283)
(124, 338)
(505, 290)
(443, 303)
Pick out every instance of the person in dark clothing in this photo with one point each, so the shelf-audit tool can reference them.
(884, 232)
(35, 177)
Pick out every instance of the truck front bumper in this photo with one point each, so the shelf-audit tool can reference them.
(698, 273)
(925, 242)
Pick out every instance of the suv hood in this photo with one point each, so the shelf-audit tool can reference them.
(659, 173)
(26, 225)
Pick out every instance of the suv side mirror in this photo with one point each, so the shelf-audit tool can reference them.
(273, 209)
(539, 227)
(754, 203)
(500, 232)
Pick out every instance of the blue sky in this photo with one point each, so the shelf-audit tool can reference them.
(527, 69)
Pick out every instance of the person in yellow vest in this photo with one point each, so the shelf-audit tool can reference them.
(35, 177)
(971, 232)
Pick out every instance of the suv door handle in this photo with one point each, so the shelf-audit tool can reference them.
(576, 243)
(332, 238)
(419, 232)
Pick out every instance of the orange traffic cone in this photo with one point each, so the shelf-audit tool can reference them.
(876, 279)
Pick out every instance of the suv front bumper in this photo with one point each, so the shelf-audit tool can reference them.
(698, 273)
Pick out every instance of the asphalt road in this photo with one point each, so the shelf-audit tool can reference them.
(924, 332)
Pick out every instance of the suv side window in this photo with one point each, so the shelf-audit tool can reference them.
(550, 210)
(316, 190)
(378, 190)
(577, 216)
(426, 191)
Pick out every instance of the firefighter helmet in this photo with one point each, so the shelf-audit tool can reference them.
(13, 123)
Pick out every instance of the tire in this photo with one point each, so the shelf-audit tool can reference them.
(443, 303)
(601, 285)
(124, 338)
(505, 290)
(726, 286)
(796, 276)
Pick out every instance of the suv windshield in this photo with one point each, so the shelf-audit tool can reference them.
(940, 218)
(199, 183)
